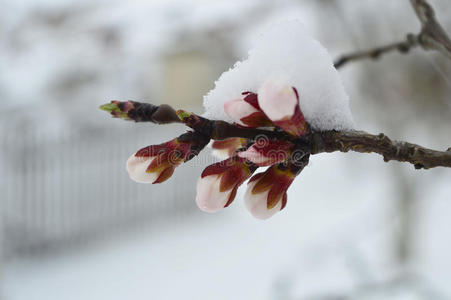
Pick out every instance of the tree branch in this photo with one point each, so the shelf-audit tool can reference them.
(375, 53)
(360, 141)
(314, 142)
(431, 37)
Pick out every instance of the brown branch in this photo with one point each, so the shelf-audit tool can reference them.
(375, 53)
(360, 141)
(313, 143)
(431, 37)
(221, 130)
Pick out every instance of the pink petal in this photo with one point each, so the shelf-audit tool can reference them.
(237, 109)
(209, 198)
(254, 156)
(278, 101)
(226, 148)
(136, 168)
(220, 153)
(268, 153)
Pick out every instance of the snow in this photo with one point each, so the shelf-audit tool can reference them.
(228, 255)
(289, 54)
(326, 240)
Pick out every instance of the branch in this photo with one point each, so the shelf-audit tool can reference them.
(375, 53)
(431, 37)
(360, 141)
(314, 142)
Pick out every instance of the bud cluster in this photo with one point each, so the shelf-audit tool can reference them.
(273, 110)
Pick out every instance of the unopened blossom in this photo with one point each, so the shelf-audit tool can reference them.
(280, 103)
(227, 148)
(245, 111)
(141, 112)
(218, 184)
(266, 192)
(119, 109)
(266, 152)
(156, 163)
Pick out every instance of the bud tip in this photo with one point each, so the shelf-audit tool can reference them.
(109, 107)
(114, 109)
(183, 114)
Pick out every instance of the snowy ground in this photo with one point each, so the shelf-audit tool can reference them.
(327, 239)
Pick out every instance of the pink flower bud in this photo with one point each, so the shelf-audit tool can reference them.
(256, 204)
(219, 183)
(156, 163)
(246, 112)
(226, 148)
(266, 192)
(281, 104)
(266, 152)
(137, 169)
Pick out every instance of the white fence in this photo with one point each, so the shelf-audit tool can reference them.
(58, 191)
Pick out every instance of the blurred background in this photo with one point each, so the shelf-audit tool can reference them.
(74, 226)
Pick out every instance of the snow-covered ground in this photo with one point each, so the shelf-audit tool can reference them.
(328, 239)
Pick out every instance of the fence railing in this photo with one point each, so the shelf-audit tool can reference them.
(56, 191)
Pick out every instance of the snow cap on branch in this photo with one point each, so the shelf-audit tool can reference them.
(288, 55)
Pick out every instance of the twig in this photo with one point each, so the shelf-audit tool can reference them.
(314, 142)
(403, 47)
(431, 37)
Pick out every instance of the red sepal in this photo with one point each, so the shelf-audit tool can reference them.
(232, 196)
(165, 175)
(217, 168)
(256, 119)
(284, 201)
(252, 99)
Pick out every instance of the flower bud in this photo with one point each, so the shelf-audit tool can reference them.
(266, 152)
(281, 104)
(156, 163)
(141, 112)
(227, 148)
(219, 183)
(266, 192)
(119, 109)
(245, 111)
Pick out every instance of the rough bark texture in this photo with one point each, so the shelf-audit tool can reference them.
(363, 142)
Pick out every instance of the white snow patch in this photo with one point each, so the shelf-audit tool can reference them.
(287, 53)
